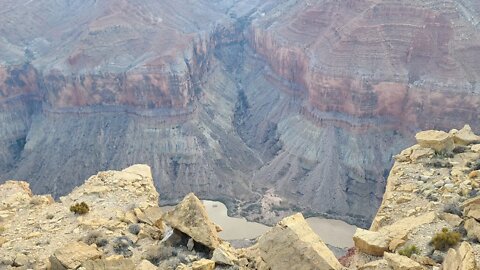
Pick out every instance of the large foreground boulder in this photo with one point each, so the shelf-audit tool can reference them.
(461, 259)
(190, 217)
(369, 242)
(292, 244)
(439, 141)
(73, 255)
(465, 136)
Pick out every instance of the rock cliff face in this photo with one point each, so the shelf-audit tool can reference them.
(233, 100)
(428, 217)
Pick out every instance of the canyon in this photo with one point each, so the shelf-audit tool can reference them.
(270, 107)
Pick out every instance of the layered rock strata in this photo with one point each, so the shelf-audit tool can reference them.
(234, 100)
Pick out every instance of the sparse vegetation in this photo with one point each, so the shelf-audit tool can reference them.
(134, 229)
(459, 149)
(2, 228)
(121, 246)
(409, 251)
(80, 208)
(439, 163)
(96, 238)
(50, 216)
(452, 208)
(445, 239)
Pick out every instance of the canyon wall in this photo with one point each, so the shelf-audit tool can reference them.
(234, 100)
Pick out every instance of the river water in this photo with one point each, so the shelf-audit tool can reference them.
(333, 232)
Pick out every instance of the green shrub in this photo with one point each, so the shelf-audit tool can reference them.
(445, 239)
(80, 208)
(409, 251)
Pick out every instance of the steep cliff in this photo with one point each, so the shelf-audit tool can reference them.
(233, 100)
(428, 216)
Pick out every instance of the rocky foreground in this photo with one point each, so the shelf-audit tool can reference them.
(432, 189)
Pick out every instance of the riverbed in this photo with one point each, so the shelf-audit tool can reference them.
(333, 232)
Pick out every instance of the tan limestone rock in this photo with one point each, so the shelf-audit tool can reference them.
(451, 219)
(399, 262)
(146, 265)
(461, 259)
(292, 244)
(473, 228)
(476, 148)
(73, 255)
(376, 265)
(436, 140)
(190, 217)
(473, 211)
(224, 254)
(401, 228)
(110, 263)
(369, 242)
(203, 264)
(465, 136)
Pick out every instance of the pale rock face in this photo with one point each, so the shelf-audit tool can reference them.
(113, 262)
(473, 228)
(146, 265)
(73, 255)
(203, 264)
(373, 243)
(465, 136)
(376, 265)
(437, 140)
(399, 262)
(190, 217)
(461, 259)
(292, 244)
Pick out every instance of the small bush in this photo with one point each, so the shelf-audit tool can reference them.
(80, 208)
(445, 239)
(134, 229)
(459, 149)
(409, 251)
(121, 246)
(50, 216)
(453, 208)
(2, 229)
(96, 238)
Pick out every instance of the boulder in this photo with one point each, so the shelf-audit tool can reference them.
(473, 228)
(73, 255)
(146, 265)
(292, 244)
(224, 255)
(203, 264)
(110, 263)
(369, 242)
(451, 219)
(461, 259)
(439, 141)
(401, 228)
(465, 136)
(376, 265)
(20, 260)
(190, 217)
(399, 262)
(473, 211)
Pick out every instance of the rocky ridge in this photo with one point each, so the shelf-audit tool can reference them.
(432, 188)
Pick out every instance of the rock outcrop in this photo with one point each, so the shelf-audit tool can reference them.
(292, 244)
(190, 217)
(428, 218)
(123, 228)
